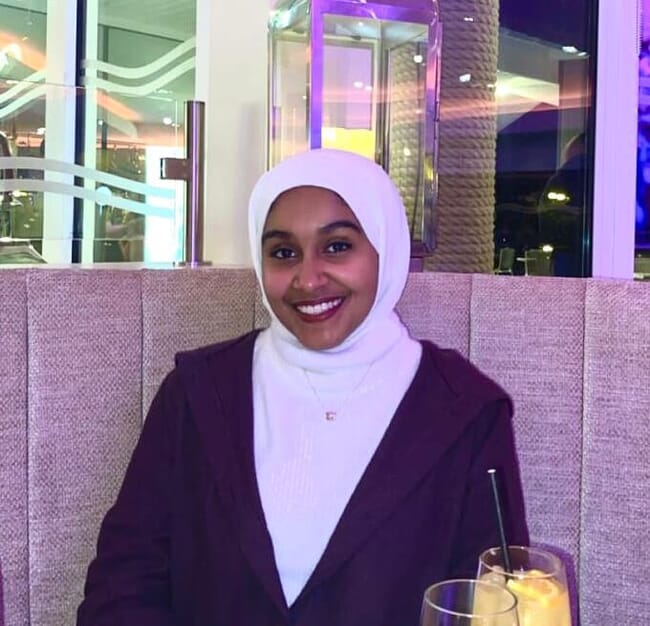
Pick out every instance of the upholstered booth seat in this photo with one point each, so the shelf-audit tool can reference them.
(84, 350)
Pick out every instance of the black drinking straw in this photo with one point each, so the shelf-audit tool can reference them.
(499, 512)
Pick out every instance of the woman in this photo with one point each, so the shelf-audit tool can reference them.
(326, 470)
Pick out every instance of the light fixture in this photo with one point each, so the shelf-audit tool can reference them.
(465, 78)
(106, 195)
(418, 58)
(358, 84)
(558, 196)
(14, 50)
(468, 18)
(570, 49)
(167, 121)
(407, 152)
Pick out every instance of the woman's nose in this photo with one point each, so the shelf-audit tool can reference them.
(310, 274)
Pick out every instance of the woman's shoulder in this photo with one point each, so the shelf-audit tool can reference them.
(230, 350)
(459, 374)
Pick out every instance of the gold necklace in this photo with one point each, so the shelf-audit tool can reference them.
(332, 414)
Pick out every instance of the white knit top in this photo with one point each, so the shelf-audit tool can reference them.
(308, 467)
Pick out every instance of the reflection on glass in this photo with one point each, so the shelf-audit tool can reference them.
(544, 101)
(122, 196)
(289, 97)
(642, 247)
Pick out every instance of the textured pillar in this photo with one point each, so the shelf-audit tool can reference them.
(406, 85)
(467, 137)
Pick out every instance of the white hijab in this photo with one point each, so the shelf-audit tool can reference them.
(376, 202)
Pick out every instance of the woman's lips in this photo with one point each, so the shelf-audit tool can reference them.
(318, 311)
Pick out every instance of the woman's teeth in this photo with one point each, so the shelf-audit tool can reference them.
(318, 309)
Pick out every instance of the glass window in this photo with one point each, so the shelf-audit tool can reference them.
(22, 122)
(84, 137)
(642, 241)
(544, 135)
(138, 75)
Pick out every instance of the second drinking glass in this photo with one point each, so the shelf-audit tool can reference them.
(538, 579)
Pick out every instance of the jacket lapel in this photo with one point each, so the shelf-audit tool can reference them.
(427, 422)
(226, 416)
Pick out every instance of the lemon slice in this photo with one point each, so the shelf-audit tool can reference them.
(535, 587)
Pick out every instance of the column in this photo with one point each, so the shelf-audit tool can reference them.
(59, 125)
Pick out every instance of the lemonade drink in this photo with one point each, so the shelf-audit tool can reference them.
(538, 580)
(488, 604)
(542, 600)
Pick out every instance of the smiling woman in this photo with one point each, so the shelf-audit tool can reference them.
(319, 269)
(287, 476)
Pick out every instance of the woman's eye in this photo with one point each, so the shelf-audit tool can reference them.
(338, 246)
(282, 253)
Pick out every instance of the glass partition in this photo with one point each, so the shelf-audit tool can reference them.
(79, 165)
(364, 77)
(48, 202)
(642, 240)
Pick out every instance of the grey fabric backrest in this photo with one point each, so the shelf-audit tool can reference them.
(615, 538)
(14, 555)
(84, 414)
(529, 338)
(185, 309)
(85, 350)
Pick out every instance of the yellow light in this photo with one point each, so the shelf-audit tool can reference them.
(353, 140)
(558, 196)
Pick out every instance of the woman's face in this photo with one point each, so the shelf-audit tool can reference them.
(319, 270)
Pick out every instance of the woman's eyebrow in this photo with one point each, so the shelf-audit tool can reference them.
(328, 228)
(339, 224)
(280, 234)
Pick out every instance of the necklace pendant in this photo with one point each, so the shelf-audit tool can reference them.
(330, 416)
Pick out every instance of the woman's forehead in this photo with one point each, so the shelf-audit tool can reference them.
(308, 203)
(308, 192)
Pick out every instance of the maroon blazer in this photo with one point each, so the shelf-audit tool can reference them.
(186, 542)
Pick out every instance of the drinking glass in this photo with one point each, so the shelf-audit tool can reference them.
(468, 603)
(538, 580)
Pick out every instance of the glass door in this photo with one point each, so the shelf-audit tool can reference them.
(91, 98)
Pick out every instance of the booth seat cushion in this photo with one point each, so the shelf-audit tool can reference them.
(14, 577)
(436, 307)
(529, 337)
(616, 492)
(187, 308)
(85, 350)
(85, 381)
